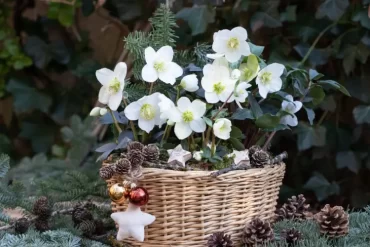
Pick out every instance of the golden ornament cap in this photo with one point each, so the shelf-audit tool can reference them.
(118, 193)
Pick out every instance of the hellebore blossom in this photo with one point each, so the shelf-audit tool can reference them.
(222, 128)
(159, 65)
(190, 83)
(113, 83)
(290, 107)
(241, 93)
(268, 79)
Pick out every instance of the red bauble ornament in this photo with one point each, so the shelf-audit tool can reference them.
(138, 196)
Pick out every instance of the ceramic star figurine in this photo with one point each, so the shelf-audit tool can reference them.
(178, 156)
(241, 157)
(131, 223)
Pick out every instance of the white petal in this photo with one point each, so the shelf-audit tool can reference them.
(211, 97)
(95, 112)
(175, 69)
(276, 69)
(167, 77)
(165, 53)
(298, 106)
(289, 120)
(215, 56)
(275, 85)
(191, 83)
(104, 76)
(120, 71)
(198, 125)
(221, 62)
(182, 130)
(219, 45)
(235, 74)
(289, 98)
(208, 69)
(285, 104)
(226, 95)
(174, 115)
(263, 91)
(103, 95)
(150, 55)
(240, 32)
(115, 100)
(146, 125)
(198, 108)
(103, 111)
(244, 49)
(207, 83)
(132, 111)
(183, 104)
(233, 56)
(149, 74)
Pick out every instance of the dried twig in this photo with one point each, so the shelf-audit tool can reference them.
(279, 158)
(233, 167)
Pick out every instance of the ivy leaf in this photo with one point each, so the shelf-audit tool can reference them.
(348, 159)
(64, 13)
(267, 121)
(242, 114)
(363, 18)
(328, 104)
(321, 186)
(335, 85)
(310, 136)
(256, 49)
(317, 94)
(40, 135)
(362, 114)
(316, 57)
(353, 52)
(237, 144)
(333, 9)
(314, 75)
(28, 98)
(255, 107)
(310, 114)
(198, 18)
(208, 121)
(236, 133)
(290, 14)
(263, 19)
(38, 50)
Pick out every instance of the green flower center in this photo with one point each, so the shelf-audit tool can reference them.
(247, 73)
(182, 84)
(159, 66)
(218, 87)
(187, 116)
(114, 85)
(233, 43)
(266, 78)
(147, 112)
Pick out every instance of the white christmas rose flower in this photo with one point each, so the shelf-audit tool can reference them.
(222, 128)
(231, 43)
(217, 83)
(159, 65)
(291, 107)
(146, 111)
(113, 83)
(190, 83)
(241, 93)
(268, 79)
(188, 117)
(166, 106)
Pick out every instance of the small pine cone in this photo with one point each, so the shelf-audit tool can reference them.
(151, 153)
(136, 158)
(257, 232)
(254, 149)
(87, 227)
(99, 227)
(291, 236)
(41, 208)
(219, 239)
(295, 208)
(135, 145)
(80, 214)
(123, 166)
(107, 172)
(42, 225)
(260, 159)
(21, 225)
(333, 221)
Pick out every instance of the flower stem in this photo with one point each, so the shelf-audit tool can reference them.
(178, 93)
(132, 125)
(164, 135)
(208, 135)
(151, 88)
(115, 121)
(322, 118)
(222, 106)
(269, 140)
(213, 147)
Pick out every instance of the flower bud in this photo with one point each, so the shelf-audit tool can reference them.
(197, 155)
(235, 74)
(170, 123)
(103, 111)
(95, 112)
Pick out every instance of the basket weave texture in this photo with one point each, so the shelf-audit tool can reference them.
(189, 206)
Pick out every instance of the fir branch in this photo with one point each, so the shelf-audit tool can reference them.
(4, 165)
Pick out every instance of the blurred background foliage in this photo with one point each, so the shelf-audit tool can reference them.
(50, 50)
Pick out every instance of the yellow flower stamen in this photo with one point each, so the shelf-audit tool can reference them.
(266, 78)
(233, 43)
(187, 116)
(218, 87)
(159, 66)
(114, 86)
(147, 112)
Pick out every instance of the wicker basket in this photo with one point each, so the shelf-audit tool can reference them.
(189, 206)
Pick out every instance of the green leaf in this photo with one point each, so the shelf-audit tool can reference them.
(4, 165)
(22, 62)
(263, 19)
(277, 128)
(255, 107)
(256, 49)
(362, 114)
(363, 18)
(67, 134)
(310, 115)
(310, 136)
(321, 186)
(40, 135)
(290, 14)
(267, 121)
(198, 18)
(348, 159)
(66, 15)
(236, 133)
(329, 104)
(335, 85)
(242, 114)
(27, 98)
(208, 121)
(316, 57)
(314, 75)
(38, 50)
(237, 144)
(333, 9)
(317, 94)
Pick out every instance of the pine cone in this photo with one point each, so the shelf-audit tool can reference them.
(219, 239)
(260, 158)
(295, 208)
(99, 227)
(80, 214)
(254, 149)
(123, 166)
(291, 236)
(257, 232)
(135, 145)
(42, 225)
(333, 221)
(107, 172)
(151, 153)
(87, 227)
(136, 158)
(21, 225)
(41, 208)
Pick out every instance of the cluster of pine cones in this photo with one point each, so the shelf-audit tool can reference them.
(84, 220)
(259, 157)
(333, 223)
(135, 156)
